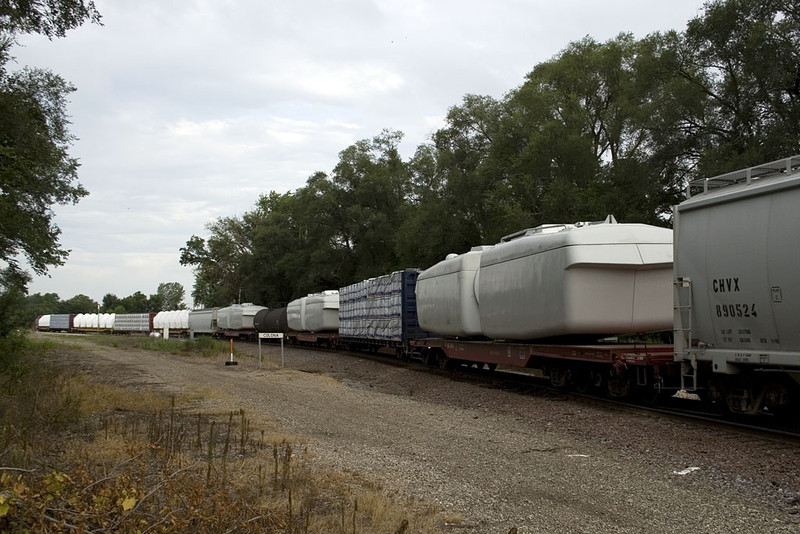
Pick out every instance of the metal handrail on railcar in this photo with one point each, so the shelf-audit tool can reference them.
(785, 166)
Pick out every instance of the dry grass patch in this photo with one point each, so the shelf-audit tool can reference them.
(127, 461)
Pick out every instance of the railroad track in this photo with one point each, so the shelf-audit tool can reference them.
(767, 426)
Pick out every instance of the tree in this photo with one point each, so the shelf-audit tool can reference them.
(136, 303)
(171, 295)
(218, 261)
(110, 303)
(52, 18)
(371, 185)
(36, 170)
(79, 304)
(744, 55)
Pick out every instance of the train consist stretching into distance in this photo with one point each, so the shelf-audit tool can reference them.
(582, 305)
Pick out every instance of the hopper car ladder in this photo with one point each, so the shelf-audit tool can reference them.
(683, 333)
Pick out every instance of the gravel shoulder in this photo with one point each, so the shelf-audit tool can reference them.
(497, 459)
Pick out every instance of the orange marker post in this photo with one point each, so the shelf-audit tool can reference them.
(231, 361)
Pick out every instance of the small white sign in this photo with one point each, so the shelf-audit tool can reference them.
(270, 335)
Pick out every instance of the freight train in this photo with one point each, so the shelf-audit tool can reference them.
(587, 305)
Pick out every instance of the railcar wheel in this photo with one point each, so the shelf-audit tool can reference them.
(650, 394)
(618, 385)
(492, 366)
(582, 380)
(429, 357)
(558, 377)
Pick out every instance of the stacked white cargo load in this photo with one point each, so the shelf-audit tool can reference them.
(372, 309)
(133, 322)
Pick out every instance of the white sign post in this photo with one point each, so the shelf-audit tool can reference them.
(271, 335)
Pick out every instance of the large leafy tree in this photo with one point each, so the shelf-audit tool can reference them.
(171, 295)
(579, 137)
(36, 170)
(218, 262)
(52, 18)
(372, 183)
(745, 56)
(79, 304)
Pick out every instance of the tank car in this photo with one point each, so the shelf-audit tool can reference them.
(273, 320)
(737, 293)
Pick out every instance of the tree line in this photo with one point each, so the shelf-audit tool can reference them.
(169, 296)
(618, 127)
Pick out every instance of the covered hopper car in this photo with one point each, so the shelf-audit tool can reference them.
(737, 290)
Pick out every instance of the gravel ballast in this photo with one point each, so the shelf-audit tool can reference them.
(494, 458)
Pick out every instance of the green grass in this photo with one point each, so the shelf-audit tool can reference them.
(202, 346)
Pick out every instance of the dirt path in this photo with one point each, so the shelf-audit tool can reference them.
(498, 459)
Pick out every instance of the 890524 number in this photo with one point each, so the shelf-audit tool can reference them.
(736, 310)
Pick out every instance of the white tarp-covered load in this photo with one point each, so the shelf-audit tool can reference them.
(43, 323)
(172, 319)
(318, 312)
(558, 280)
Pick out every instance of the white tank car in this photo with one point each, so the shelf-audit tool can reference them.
(737, 293)
(318, 312)
(556, 280)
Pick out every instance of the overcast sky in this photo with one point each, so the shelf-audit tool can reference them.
(188, 110)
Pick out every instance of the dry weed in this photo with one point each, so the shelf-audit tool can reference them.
(133, 462)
